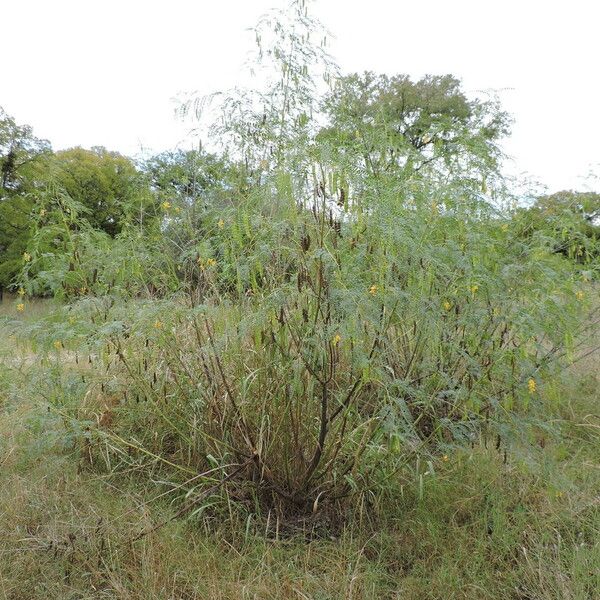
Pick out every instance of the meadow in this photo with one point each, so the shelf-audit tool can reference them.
(477, 522)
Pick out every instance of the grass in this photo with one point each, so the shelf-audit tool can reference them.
(521, 522)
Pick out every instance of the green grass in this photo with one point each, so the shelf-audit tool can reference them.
(523, 525)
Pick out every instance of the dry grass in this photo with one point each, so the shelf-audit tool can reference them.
(523, 527)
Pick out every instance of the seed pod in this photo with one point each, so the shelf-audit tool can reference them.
(305, 242)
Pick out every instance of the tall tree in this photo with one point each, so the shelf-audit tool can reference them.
(569, 221)
(19, 151)
(106, 183)
(23, 162)
(381, 125)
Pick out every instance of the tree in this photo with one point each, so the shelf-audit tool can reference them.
(380, 125)
(106, 183)
(183, 177)
(569, 221)
(23, 164)
(19, 151)
(584, 204)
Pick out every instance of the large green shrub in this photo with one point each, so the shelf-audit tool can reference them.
(296, 341)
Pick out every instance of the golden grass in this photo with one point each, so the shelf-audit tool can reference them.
(525, 527)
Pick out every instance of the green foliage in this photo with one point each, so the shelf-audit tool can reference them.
(106, 183)
(330, 331)
(19, 154)
(316, 355)
(569, 222)
(23, 159)
(184, 178)
(392, 127)
(63, 194)
(334, 295)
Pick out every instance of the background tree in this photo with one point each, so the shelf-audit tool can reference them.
(569, 222)
(23, 162)
(382, 126)
(106, 183)
(20, 152)
(184, 177)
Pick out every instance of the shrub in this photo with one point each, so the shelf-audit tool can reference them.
(321, 324)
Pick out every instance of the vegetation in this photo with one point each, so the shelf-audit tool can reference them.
(334, 358)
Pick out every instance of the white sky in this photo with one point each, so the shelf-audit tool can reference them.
(91, 72)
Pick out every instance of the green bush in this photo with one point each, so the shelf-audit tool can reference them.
(289, 341)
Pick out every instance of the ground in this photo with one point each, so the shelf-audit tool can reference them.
(521, 523)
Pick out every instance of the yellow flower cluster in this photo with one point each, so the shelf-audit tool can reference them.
(531, 385)
(209, 262)
(166, 205)
(337, 338)
(26, 256)
(579, 295)
(447, 305)
(58, 344)
(20, 307)
(373, 290)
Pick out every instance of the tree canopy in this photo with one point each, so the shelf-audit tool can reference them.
(106, 183)
(386, 125)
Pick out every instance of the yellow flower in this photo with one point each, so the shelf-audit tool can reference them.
(445, 458)
(504, 227)
(177, 210)
(474, 289)
(559, 494)
(21, 292)
(43, 212)
(221, 224)
(373, 290)
(211, 262)
(158, 324)
(26, 256)
(58, 344)
(166, 205)
(579, 295)
(82, 290)
(531, 385)
(337, 338)
(447, 305)
(20, 307)
(72, 320)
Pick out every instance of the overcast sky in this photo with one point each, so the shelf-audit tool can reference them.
(91, 72)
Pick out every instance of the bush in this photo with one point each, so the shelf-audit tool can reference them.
(289, 343)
